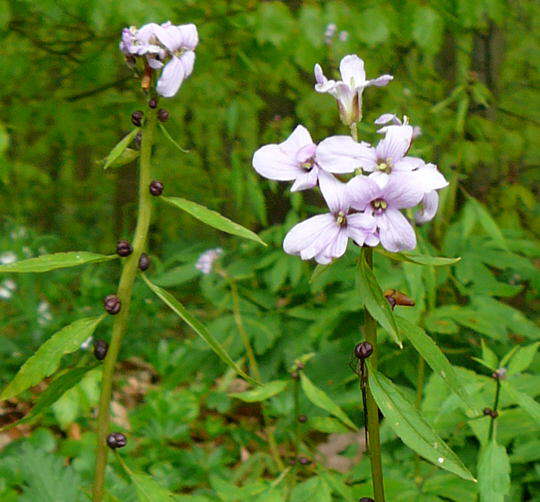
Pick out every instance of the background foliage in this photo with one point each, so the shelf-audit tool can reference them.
(465, 71)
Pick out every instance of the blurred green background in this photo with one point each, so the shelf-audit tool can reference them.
(465, 71)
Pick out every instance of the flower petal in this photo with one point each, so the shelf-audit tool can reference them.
(430, 204)
(395, 144)
(335, 249)
(341, 154)
(403, 191)
(188, 60)
(190, 36)
(352, 71)
(171, 78)
(361, 190)
(306, 180)
(273, 163)
(323, 84)
(387, 117)
(298, 139)
(312, 236)
(380, 81)
(430, 178)
(395, 232)
(408, 164)
(362, 227)
(334, 192)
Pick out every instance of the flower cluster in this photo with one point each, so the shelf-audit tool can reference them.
(385, 179)
(164, 47)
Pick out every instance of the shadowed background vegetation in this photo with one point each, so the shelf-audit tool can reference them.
(465, 71)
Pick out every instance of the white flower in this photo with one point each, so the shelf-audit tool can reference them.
(207, 259)
(348, 91)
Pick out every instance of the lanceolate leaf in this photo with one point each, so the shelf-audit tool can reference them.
(54, 261)
(119, 148)
(489, 224)
(263, 392)
(53, 393)
(321, 399)
(411, 428)
(374, 300)
(198, 327)
(438, 362)
(419, 259)
(213, 218)
(493, 473)
(127, 156)
(47, 358)
(522, 359)
(170, 138)
(523, 400)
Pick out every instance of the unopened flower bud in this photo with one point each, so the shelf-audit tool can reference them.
(123, 248)
(302, 419)
(162, 115)
(116, 440)
(136, 118)
(363, 350)
(499, 374)
(156, 188)
(152, 103)
(100, 349)
(395, 297)
(112, 304)
(144, 262)
(304, 461)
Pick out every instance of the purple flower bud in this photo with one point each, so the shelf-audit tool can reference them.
(304, 461)
(123, 248)
(153, 103)
(302, 419)
(163, 115)
(136, 118)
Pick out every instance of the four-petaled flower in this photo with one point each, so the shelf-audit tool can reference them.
(325, 236)
(383, 199)
(348, 91)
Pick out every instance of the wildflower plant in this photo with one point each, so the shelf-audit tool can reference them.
(370, 192)
(161, 57)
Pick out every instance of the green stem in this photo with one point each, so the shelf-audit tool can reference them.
(125, 288)
(495, 406)
(254, 370)
(370, 332)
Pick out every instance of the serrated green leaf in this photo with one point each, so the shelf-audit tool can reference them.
(493, 473)
(48, 262)
(53, 393)
(418, 259)
(198, 327)
(321, 399)
(47, 358)
(405, 420)
(438, 362)
(374, 300)
(522, 359)
(170, 138)
(523, 400)
(213, 218)
(119, 148)
(263, 392)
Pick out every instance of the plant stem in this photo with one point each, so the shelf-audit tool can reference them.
(495, 406)
(370, 332)
(254, 370)
(125, 288)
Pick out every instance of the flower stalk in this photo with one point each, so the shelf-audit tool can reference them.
(372, 419)
(125, 288)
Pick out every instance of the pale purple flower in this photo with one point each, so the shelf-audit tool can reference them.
(293, 159)
(383, 202)
(329, 33)
(343, 35)
(348, 91)
(386, 118)
(207, 259)
(157, 43)
(325, 236)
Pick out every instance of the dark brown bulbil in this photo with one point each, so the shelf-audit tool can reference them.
(137, 117)
(112, 304)
(366, 499)
(302, 419)
(156, 188)
(363, 350)
(123, 248)
(116, 440)
(162, 115)
(100, 349)
(144, 262)
(395, 298)
(152, 103)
